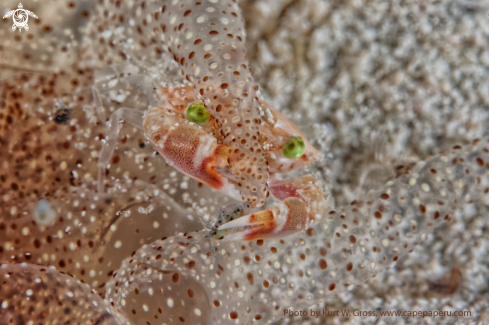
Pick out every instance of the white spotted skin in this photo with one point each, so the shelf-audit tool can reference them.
(64, 298)
(342, 250)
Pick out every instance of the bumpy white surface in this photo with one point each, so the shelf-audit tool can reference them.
(256, 281)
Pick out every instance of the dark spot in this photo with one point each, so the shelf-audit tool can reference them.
(384, 196)
(62, 116)
(322, 264)
(422, 208)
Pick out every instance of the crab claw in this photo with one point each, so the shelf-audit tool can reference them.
(307, 188)
(283, 219)
(190, 149)
(300, 201)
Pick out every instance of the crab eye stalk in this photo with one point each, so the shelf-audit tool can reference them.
(197, 113)
(294, 148)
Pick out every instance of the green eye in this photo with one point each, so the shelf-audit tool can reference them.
(197, 113)
(294, 148)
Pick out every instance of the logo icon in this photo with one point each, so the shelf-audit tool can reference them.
(20, 17)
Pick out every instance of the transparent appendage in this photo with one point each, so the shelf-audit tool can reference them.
(129, 115)
(99, 107)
